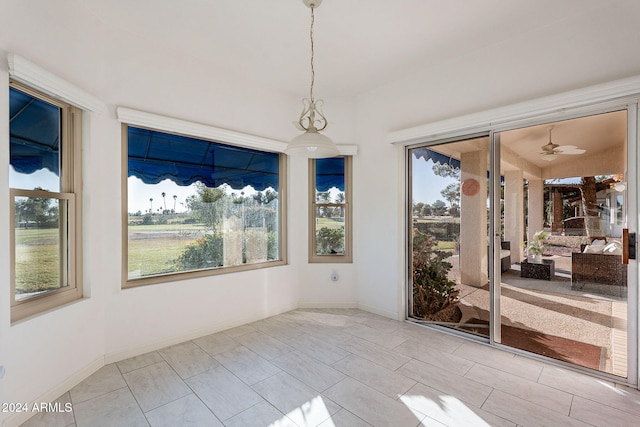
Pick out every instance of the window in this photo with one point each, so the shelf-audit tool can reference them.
(195, 207)
(45, 183)
(330, 210)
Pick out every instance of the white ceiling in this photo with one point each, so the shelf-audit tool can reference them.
(359, 44)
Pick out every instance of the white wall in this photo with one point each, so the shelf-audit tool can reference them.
(524, 66)
(4, 220)
(46, 355)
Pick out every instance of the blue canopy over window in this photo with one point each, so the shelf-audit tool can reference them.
(329, 174)
(436, 157)
(34, 133)
(155, 156)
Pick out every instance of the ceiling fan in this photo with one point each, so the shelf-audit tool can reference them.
(550, 150)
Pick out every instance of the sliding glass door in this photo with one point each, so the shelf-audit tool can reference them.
(449, 245)
(565, 187)
(521, 236)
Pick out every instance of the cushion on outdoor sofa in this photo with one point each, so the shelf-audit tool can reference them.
(612, 248)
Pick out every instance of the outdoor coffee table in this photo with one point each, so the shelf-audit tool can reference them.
(541, 271)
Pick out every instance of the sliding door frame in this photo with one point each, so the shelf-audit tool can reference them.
(408, 247)
(613, 96)
(495, 273)
(630, 105)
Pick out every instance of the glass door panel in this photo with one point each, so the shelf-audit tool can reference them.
(564, 210)
(449, 245)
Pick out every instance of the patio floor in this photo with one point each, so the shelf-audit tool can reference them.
(552, 308)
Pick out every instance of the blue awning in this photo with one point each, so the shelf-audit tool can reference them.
(435, 157)
(155, 156)
(329, 174)
(34, 133)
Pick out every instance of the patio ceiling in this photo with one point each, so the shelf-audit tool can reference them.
(602, 136)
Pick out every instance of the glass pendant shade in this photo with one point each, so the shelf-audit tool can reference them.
(313, 145)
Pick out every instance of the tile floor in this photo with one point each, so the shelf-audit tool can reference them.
(340, 368)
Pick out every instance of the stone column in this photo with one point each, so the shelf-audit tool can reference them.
(535, 208)
(514, 212)
(473, 220)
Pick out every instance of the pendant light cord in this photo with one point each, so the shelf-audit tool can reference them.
(313, 71)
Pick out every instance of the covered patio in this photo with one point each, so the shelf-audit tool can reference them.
(576, 194)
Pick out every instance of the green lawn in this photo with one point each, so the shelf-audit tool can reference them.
(444, 246)
(437, 220)
(38, 254)
(155, 256)
(328, 223)
(37, 260)
(164, 227)
(35, 235)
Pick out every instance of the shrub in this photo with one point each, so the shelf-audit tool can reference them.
(272, 246)
(147, 219)
(330, 240)
(432, 289)
(205, 252)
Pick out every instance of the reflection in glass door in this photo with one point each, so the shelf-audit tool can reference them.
(449, 246)
(558, 201)
(564, 211)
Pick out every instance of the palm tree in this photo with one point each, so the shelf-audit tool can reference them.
(151, 202)
(165, 200)
(340, 198)
(175, 198)
(323, 197)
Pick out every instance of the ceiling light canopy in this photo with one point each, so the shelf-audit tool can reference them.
(620, 186)
(312, 143)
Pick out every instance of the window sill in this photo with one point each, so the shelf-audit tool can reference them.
(177, 277)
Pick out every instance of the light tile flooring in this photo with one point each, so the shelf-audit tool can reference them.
(340, 368)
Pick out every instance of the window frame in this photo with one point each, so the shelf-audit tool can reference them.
(70, 175)
(347, 257)
(128, 283)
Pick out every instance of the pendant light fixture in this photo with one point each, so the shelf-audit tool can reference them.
(312, 143)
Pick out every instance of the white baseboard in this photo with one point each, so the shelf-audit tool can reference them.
(354, 304)
(18, 418)
(315, 304)
(123, 354)
(380, 312)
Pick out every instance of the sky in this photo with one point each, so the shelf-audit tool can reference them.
(42, 178)
(426, 185)
(139, 192)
